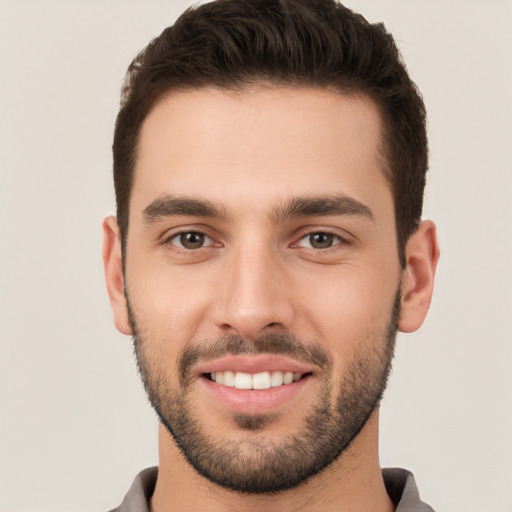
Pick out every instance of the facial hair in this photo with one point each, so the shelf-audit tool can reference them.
(265, 466)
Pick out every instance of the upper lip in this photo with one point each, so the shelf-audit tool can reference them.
(251, 363)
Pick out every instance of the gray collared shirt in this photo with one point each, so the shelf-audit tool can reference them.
(400, 485)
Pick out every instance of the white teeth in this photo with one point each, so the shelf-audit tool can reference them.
(263, 380)
(229, 379)
(243, 380)
(276, 379)
(288, 378)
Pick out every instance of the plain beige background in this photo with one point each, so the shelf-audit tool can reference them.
(74, 424)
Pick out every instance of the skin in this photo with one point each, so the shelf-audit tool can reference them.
(250, 153)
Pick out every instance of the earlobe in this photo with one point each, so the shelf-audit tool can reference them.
(113, 265)
(422, 254)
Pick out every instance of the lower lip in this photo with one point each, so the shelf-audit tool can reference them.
(254, 401)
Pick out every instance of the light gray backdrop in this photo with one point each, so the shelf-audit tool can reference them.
(74, 424)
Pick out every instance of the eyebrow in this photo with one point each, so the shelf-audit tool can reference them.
(169, 206)
(323, 206)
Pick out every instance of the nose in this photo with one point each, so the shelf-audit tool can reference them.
(254, 297)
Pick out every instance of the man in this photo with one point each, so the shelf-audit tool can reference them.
(269, 167)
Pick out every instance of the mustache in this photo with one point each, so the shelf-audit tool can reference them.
(284, 344)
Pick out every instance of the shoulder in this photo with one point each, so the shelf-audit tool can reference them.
(140, 492)
(403, 491)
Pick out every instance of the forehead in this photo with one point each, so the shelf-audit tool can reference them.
(264, 142)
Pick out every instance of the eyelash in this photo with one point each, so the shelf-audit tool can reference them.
(168, 240)
(339, 240)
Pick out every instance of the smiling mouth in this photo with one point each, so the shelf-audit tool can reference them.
(262, 380)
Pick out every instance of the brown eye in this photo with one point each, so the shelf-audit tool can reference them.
(191, 240)
(319, 240)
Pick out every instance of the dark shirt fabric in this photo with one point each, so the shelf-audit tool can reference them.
(400, 485)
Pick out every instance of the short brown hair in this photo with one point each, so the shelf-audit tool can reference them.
(233, 44)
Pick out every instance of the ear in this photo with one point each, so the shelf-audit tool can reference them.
(113, 263)
(421, 255)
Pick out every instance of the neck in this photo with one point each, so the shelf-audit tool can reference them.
(351, 483)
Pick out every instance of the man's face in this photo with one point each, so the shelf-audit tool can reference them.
(261, 250)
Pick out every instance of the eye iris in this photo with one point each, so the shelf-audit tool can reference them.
(321, 240)
(192, 240)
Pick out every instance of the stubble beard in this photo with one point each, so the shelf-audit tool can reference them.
(258, 465)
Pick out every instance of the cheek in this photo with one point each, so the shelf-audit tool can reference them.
(171, 303)
(351, 308)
